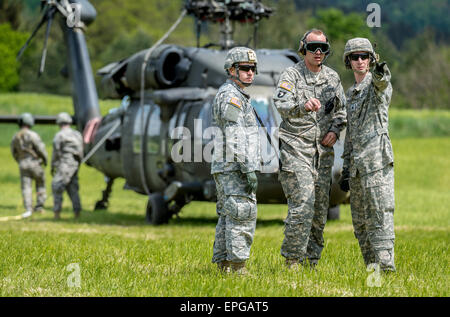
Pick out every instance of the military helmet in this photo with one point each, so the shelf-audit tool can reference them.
(26, 119)
(357, 44)
(239, 55)
(63, 118)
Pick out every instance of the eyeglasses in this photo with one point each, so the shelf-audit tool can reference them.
(354, 57)
(314, 46)
(246, 68)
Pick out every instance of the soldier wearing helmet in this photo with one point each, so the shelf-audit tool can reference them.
(311, 101)
(368, 170)
(235, 160)
(66, 158)
(29, 151)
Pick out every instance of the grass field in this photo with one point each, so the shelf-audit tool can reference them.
(117, 254)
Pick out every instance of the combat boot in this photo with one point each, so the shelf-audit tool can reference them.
(224, 266)
(39, 210)
(238, 268)
(27, 214)
(293, 264)
(313, 264)
(77, 214)
(57, 215)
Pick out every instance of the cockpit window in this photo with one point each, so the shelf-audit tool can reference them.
(265, 110)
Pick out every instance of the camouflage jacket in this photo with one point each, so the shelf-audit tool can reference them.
(26, 145)
(236, 141)
(367, 146)
(67, 147)
(300, 131)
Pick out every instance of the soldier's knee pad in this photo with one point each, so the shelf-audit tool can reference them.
(240, 208)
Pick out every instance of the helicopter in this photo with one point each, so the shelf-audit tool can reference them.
(159, 138)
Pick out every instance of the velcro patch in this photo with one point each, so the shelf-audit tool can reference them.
(286, 85)
(235, 102)
(251, 56)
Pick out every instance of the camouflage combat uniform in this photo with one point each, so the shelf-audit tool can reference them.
(29, 151)
(236, 152)
(305, 172)
(66, 158)
(369, 160)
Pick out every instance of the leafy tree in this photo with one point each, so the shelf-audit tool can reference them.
(284, 28)
(10, 12)
(339, 26)
(10, 43)
(425, 74)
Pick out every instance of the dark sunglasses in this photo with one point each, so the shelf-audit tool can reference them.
(314, 46)
(246, 68)
(355, 57)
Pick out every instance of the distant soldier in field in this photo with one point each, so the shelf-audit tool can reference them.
(29, 151)
(368, 170)
(66, 158)
(235, 160)
(311, 102)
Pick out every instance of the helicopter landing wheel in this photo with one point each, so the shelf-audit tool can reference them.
(157, 212)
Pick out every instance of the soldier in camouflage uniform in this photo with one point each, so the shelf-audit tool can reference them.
(29, 151)
(368, 169)
(236, 158)
(311, 102)
(66, 158)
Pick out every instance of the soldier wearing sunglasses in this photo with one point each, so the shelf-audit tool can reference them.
(307, 134)
(368, 170)
(235, 174)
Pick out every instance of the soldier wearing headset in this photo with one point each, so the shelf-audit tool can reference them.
(311, 102)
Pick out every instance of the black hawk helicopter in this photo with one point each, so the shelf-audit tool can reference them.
(159, 138)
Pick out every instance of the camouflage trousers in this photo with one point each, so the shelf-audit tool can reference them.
(66, 178)
(307, 195)
(237, 218)
(372, 204)
(27, 175)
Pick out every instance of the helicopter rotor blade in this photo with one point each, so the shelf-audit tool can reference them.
(51, 14)
(36, 29)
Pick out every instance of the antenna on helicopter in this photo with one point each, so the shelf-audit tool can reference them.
(227, 12)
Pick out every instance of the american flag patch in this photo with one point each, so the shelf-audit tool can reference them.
(235, 102)
(286, 85)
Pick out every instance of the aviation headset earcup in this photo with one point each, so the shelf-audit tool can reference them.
(302, 48)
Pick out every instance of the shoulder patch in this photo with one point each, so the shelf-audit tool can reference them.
(235, 102)
(286, 85)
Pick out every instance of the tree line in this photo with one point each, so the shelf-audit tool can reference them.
(413, 39)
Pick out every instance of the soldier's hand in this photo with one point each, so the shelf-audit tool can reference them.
(329, 139)
(312, 104)
(379, 67)
(344, 181)
(252, 183)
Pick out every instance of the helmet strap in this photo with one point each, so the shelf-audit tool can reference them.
(236, 68)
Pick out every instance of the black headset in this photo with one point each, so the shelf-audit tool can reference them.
(302, 47)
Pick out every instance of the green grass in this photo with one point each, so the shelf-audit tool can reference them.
(419, 123)
(120, 255)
